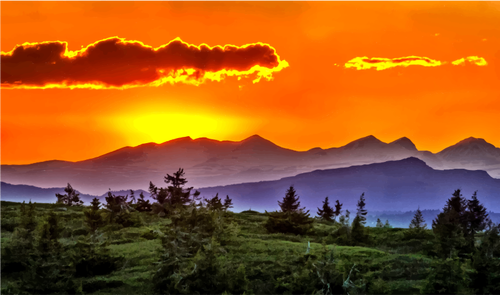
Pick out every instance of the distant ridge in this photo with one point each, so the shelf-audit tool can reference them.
(209, 162)
(401, 185)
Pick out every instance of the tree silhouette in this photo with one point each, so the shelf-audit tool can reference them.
(228, 203)
(361, 209)
(327, 212)
(70, 198)
(338, 209)
(418, 221)
(214, 203)
(379, 223)
(290, 201)
(476, 217)
(143, 204)
(92, 217)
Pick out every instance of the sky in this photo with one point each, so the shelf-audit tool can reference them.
(93, 77)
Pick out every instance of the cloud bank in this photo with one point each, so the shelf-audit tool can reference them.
(117, 63)
(365, 63)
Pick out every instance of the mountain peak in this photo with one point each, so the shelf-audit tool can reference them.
(470, 140)
(364, 142)
(472, 149)
(177, 140)
(257, 142)
(405, 142)
(255, 137)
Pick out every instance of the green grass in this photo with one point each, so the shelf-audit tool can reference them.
(253, 247)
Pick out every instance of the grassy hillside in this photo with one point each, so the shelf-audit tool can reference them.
(272, 263)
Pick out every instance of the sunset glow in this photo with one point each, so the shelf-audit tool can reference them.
(81, 79)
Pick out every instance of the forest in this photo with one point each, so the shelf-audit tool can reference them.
(184, 244)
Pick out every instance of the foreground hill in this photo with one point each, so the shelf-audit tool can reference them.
(210, 162)
(394, 185)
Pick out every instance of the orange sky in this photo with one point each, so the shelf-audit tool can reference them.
(318, 100)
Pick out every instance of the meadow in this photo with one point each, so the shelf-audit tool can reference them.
(179, 246)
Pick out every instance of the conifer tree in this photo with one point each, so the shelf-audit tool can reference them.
(290, 201)
(387, 225)
(338, 209)
(132, 197)
(228, 203)
(326, 213)
(361, 209)
(450, 226)
(379, 223)
(93, 218)
(291, 218)
(417, 222)
(214, 203)
(70, 198)
(476, 217)
(176, 191)
(358, 232)
(143, 204)
(28, 216)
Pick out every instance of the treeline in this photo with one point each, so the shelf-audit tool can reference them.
(463, 242)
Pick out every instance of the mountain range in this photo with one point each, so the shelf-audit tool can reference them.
(210, 162)
(394, 185)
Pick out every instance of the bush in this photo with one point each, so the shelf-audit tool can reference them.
(447, 277)
(9, 224)
(92, 258)
(297, 223)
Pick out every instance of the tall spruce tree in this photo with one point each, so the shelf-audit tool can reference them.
(93, 217)
(228, 203)
(338, 209)
(291, 218)
(176, 191)
(326, 213)
(361, 209)
(290, 201)
(476, 217)
(450, 227)
(379, 223)
(418, 221)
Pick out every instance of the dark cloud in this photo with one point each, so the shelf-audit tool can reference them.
(114, 62)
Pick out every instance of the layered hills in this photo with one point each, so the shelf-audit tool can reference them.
(393, 185)
(210, 162)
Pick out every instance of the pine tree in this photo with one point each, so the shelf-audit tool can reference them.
(176, 191)
(291, 218)
(228, 203)
(379, 223)
(338, 209)
(132, 197)
(418, 221)
(93, 218)
(361, 209)
(450, 227)
(358, 232)
(327, 212)
(143, 204)
(476, 217)
(28, 216)
(290, 201)
(387, 225)
(70, 198)
(214, 203)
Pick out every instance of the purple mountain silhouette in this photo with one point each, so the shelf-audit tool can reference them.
(210, 162)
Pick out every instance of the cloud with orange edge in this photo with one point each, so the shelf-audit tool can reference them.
(365, 63)
(117, 63)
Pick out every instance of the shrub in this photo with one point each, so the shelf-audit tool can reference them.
(297, 223)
